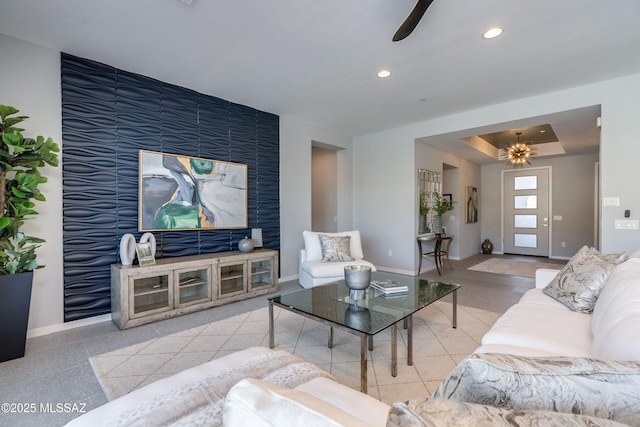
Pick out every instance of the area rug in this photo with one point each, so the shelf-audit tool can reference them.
(513, 267)
(437, 349)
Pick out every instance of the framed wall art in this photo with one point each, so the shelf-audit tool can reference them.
(179, 192)
(472, 204)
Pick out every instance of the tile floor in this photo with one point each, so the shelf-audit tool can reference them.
(438, 348)
(56, 369)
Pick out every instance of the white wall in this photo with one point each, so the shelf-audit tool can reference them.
(466, 236)
(374, 191)
(396, 192)
(31, 83)
(296, 138)
(385, 200)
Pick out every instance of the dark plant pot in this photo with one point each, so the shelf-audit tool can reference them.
(487, 246)
(15, 300)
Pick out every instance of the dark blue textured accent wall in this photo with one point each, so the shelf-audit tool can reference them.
(108, 115)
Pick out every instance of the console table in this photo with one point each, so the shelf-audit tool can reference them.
(179, 285)
(438, 251)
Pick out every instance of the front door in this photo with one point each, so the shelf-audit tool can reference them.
(525, 207)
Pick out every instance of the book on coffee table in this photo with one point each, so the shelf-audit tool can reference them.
(389, 286)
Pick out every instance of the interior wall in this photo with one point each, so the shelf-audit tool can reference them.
(31, 80)
(618, 99)
(109, 115)
(296, 139)
(324, 189)
(458, 174)
(451, 219)
(31, 83)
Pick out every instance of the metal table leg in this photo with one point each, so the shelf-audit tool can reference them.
(271, 332)
(363, 363)
(455, 308)
(394, 350)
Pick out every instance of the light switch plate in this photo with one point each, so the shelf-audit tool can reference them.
(611, 201)
(627, 224)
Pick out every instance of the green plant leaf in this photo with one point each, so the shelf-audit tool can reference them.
(20, 162)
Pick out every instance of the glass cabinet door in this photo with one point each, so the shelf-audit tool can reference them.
(150, 294)
(192, 286)
(261, 273)
(232, 279)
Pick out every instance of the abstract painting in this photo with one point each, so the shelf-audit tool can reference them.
(189, 193)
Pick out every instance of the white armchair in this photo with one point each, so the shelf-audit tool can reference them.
(313, 271)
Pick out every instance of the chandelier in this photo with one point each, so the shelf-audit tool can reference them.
(519, 152)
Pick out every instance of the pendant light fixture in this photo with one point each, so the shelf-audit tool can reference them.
(519, 152)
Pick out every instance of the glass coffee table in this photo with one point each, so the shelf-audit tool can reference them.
(330, 304)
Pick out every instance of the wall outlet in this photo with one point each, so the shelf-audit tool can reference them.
(390, 252)
(563, 244)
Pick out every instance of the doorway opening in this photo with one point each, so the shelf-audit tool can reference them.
(324, 188)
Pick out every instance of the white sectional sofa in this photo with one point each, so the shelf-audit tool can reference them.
(541, 326)
(543, 355)
(540, 364)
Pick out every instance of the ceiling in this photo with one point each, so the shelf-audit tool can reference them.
(317, 60)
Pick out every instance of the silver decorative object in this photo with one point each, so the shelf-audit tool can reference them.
(245, 245)
(358, 279)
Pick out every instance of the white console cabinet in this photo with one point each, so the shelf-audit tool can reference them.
(175, 286)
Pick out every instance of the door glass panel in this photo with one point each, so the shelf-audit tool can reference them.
(525, 202)
(525, 183)
(525, 221)
(525, 240)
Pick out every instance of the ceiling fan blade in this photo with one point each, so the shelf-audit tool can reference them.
(412, 20)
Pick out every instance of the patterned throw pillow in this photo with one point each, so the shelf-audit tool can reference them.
(579, 283)
(335, 248)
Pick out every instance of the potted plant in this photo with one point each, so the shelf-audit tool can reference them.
(21, 160)
(440, 205)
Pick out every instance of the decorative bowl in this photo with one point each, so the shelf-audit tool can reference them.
(358, 279)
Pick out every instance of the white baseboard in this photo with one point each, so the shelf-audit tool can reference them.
(288, 278)
(396, 270)
(46, 330)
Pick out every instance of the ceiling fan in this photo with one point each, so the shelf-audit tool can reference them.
(412, 20)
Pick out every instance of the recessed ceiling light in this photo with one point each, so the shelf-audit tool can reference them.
(492, 33)
(384, 73)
